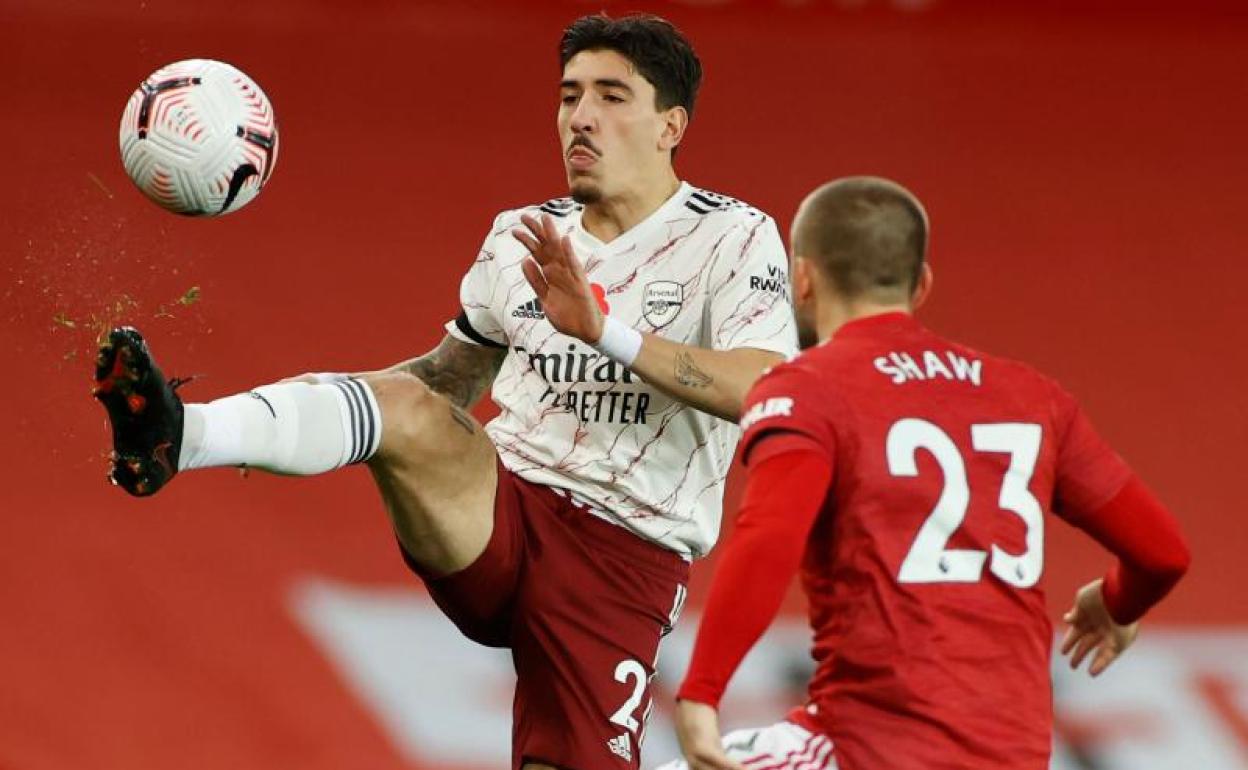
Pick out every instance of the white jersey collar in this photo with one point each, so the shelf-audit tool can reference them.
(586, 243)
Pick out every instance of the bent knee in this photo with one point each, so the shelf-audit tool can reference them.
(407, 411)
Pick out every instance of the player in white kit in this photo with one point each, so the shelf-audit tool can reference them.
(622, 323)
(702, 271)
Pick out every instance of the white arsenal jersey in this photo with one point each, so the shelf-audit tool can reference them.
(704, 270)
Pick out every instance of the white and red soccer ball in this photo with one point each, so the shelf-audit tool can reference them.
(199, 137)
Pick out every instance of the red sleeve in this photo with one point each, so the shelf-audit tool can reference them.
(1089, 472)
(1096, 491)
(787, 481)
(1152, 553)
(789, 398)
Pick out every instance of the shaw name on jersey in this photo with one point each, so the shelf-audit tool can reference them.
(904, 367)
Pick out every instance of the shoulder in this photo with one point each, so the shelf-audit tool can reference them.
(1023, 380)
(1014, 373)
(788, 396)
(558, 208)
(801, 373)
(724, 208)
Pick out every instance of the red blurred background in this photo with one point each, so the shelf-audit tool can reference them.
(1083, 166)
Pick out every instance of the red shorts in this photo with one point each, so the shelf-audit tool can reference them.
(582, 604)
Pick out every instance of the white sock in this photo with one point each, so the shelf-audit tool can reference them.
(294, 428)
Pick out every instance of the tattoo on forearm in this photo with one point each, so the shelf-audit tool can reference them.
(688, 373)
(459, 371)
(463, 419)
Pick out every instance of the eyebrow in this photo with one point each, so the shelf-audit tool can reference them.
(600, 82)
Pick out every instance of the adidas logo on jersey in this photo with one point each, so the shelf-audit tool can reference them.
(530, 309)
(622, 747)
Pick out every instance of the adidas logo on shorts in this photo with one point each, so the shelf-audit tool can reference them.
(622, 747)
(530, 309)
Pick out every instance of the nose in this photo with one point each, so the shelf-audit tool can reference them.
(584, 118)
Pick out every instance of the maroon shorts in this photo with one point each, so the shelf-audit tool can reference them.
(582, 604)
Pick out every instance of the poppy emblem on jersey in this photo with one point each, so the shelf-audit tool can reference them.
(661, 302)
(600, 294)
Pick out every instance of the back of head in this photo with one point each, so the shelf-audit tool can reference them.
(657, 49)
(867, 235)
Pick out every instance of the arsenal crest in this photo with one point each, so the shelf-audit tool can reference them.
(661, 302)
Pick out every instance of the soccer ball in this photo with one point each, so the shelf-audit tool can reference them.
(199, 138)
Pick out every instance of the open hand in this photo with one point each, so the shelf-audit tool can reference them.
(1092, 629)
(558, 278)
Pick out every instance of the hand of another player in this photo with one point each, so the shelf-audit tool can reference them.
(697, 728)
(559, 279)
(1092, 629)
(316, 378)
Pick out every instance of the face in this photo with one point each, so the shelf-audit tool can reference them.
(613, 138)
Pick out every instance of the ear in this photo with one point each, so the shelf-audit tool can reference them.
(675, 121)
(803, 279)
(922, 288)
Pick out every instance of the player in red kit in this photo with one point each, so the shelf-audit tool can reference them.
(910, 479)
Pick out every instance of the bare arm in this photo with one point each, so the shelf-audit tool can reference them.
(713, 381)
(458, 370)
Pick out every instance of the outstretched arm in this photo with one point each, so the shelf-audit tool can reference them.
(713, 381)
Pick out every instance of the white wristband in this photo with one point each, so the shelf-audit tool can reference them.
(619, 342)
(322, 378)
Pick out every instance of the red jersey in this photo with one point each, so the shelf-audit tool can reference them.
(924, 568)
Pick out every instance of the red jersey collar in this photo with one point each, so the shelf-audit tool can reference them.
(873, 324)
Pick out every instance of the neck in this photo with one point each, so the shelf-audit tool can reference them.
(833, 315)
(610, 217)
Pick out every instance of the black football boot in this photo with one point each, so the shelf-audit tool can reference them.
(145, 412)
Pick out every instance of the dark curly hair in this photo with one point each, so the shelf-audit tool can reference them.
(655, 47)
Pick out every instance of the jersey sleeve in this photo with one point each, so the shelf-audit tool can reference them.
(787, 399)
(1152, 553)
(1096, 491)
(1089, 472)
(478, 322)
(783, 496)
(749, 304)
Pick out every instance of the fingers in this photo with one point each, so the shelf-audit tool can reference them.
(1104, 656)
(562, 243)
(533, 274)
(542, 239)
(529, 242)
(1074, 633)
(574, 266)
(1086, 645)
(1068, 640)
(532, 223)
(549, 255)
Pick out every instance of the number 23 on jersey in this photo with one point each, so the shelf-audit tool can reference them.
(929, 560)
